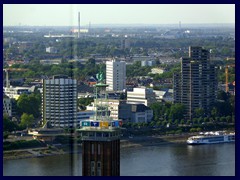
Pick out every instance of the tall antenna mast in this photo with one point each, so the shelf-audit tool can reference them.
(89, 26)
(78, 24)
(180, 26)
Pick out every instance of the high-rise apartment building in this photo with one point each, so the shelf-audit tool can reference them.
(59, 101)
(116, 75)
(125, 43)
(196, 85)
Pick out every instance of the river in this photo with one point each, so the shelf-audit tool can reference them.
(162, 160)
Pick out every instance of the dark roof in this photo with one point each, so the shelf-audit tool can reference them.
(139, 108)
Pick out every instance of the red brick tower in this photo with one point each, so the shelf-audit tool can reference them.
(100, 139)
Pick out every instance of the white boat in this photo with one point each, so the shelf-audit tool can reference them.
(211, 138)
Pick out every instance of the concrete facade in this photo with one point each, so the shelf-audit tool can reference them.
(116, 75)
(196, 85)
(59, 101)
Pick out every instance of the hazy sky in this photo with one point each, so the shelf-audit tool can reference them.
(67, 14)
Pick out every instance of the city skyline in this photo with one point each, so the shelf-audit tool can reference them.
(154, 14)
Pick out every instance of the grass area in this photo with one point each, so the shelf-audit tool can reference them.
(16, 154)
(21, 144)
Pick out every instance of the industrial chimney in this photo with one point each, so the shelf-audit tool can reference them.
(78, 24)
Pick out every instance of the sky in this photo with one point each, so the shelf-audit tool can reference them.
(67, 14)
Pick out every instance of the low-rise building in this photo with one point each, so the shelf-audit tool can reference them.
(84, 115)
(15, 92)
(164, 95)
(157, 71)
(141, 95)
(120, 109)
(141, 113)
(148, 63)
(50, 61)
(51, 50)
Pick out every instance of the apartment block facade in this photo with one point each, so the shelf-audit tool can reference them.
(196, 85)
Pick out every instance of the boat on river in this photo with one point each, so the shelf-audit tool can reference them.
(211, 138)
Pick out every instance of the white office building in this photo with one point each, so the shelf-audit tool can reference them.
(116, 75)
(51, 50)
(141, 95)
(59, 101)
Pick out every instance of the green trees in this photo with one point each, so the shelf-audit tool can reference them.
(171, 112)
(27, 120)
(136, 70)
(71, 69)
(177, 111)
(8, 125)
(225, 106)
(167, 111)
(29, 104)
(199, 112)
(83, 102)
(157, 110)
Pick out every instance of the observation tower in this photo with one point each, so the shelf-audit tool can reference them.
(100, 137)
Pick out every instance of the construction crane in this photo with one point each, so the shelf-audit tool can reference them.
(12, 69)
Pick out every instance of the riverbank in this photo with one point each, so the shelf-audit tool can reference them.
(129, 142)
(153, 140)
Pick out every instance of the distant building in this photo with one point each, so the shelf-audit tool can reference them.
(116, 75)
(59, 36)
(15, 92)
(141, 113)
(59, 101)
(141, 58)
(45, 134)
(12, 62)
(148, 63)
(9, 39)
(81, 30)
(157, 70)
(91, 81)
(23, 46)
(196, 85)
(125, 43)
(120, 109)
(113, 105)
(142, 95)
(51, 50)
(84, 115)
(50, 61)
(7, 106)
(164, 95)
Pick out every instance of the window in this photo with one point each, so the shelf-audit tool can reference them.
(92, 168)
(98, 168)
(92, 149)
(99, 149)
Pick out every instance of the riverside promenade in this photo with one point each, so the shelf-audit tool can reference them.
(127, 142)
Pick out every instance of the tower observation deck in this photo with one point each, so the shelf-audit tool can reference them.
(100, 138)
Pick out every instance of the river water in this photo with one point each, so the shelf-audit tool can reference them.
(162, 160)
